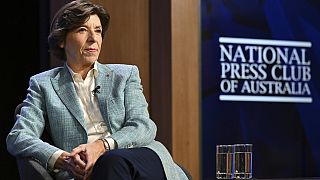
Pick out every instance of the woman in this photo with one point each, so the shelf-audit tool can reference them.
(96, 114)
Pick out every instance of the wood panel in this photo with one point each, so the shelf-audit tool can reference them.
(186, 84)
(127, 40)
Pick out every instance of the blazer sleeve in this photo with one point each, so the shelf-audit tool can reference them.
(24, 138)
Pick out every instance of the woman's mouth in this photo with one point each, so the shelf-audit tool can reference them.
(91, 49)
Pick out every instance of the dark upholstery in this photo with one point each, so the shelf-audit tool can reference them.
(31, 169)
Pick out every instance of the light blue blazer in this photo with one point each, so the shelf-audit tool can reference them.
(52, 94)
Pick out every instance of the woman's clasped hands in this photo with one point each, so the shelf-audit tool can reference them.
(80, 161)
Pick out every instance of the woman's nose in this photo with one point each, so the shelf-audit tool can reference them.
(92, 36)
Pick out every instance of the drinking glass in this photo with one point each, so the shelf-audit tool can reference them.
(224, 161)
(242, 161)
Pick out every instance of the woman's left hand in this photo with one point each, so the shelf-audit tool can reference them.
(85, 156)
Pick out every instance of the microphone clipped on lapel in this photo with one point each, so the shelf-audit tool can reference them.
(96, 90)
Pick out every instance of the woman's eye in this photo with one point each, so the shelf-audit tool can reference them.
(82, 29)
(98, 31)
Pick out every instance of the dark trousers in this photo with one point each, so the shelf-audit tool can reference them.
(126, 164)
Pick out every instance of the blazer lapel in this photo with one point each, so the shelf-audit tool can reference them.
(104, 80)
(63, 85)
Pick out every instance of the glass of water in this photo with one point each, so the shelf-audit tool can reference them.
(242, 161)
(224, 161)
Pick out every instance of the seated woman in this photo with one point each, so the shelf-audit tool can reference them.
(96, 114)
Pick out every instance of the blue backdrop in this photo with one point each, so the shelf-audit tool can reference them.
(278, 58)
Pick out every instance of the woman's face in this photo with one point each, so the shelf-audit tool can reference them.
(83, 44)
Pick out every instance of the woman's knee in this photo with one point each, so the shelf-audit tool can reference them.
(112, 158)
(111, 166)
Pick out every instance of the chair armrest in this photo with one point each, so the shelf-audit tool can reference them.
(31, 169)
(185, 171)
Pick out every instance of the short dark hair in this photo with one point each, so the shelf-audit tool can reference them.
(71, 16)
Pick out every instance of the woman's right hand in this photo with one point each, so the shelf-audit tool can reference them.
(61, 161)
(65, 162)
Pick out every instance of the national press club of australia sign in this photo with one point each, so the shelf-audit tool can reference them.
(264, 70)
